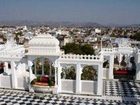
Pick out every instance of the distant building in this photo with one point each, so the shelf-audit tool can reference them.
(97, 31)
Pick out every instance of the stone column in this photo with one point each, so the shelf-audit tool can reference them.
(78, 78)
(111, 66)
(59, 78)
(30, 74)
(14, 77)
(35, 66)
(50, 72)
(42, 61)
(100, 79)
(6, 67)
(120, 59)
(137, 66)
(55, 90)
(56, 72)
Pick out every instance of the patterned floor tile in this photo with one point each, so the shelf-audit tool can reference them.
(112, 88)
(122, 88)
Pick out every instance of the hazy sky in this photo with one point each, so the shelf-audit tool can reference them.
(100, 11)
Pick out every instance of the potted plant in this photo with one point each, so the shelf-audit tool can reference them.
(42, 84)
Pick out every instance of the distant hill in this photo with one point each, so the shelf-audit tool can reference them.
(58, 24)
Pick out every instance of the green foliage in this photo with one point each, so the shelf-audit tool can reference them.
(112, 35)
(78, 49)
(87, 49)
(68, 73)
(33, 81)
(89, 73)
(19, 33)
(38, 78)
(51, 82)
(136, 36)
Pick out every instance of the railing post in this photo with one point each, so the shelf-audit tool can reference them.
(111, 65)
(78, 78)
(14, 77)
(100, 80)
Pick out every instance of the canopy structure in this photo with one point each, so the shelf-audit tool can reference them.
(10, 50)
(44, 45)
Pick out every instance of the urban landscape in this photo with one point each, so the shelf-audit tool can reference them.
(71, 54)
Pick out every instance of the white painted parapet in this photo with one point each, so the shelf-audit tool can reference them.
(80, 57)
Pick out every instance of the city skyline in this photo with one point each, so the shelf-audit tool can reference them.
(98, 11)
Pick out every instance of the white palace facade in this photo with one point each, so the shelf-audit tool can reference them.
(18, 62)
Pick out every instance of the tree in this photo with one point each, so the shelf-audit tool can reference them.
(17, 35)
(72, 48)
(78, 49)
(136, 36)
(68, 73)
(87, 49)
(89, 73)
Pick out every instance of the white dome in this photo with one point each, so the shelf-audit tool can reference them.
(44, 40)
(45, 45)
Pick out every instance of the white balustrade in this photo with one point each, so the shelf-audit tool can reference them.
(68, 85)
(109, 49)
(80, 57)
(88, 87)
(5, 81)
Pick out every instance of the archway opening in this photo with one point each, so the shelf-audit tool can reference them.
(124, 67)
(44, 71)
(68, 79)
(89, 79)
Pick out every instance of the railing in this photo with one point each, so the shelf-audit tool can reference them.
(68, 85)
(80, 57)
(22, 83)
(119, 49)
(14, 54)
(109, 49)
(5, 81)
(88, 87)
(105, 73)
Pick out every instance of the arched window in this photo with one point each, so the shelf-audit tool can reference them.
(89, 73)
(68, 73)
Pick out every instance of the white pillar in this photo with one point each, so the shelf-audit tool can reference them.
(78, 78)
(14, 77)
(55, 76)
(30, 74)
(138, 67)
(59, 77)
(42, 61)
(50, 72)
(111, 66)
(56, 72)
(120, 59)
(6, 67)
(100, 80)
(35, 66)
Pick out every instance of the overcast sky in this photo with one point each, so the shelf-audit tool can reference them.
(100, 11)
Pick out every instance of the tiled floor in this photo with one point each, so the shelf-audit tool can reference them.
(113, 90)
(9, 97)
(122, 88)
